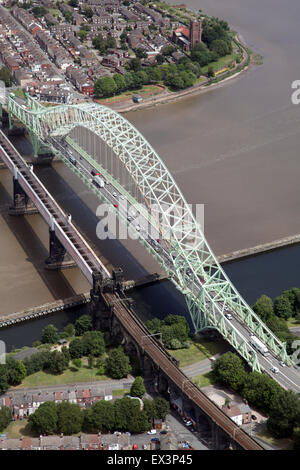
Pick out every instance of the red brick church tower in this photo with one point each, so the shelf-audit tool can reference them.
(195, 32)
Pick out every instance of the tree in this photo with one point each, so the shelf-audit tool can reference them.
(260, 390)
(69, 330)
(117, 364)
(221, 47)
(120, 82)
(110, 42)
(3, 378)
(161, 408)
(210, 72)
(138, 421)
(297, 441)
(103, 415)
(5, 417)
(122, 412)
(83, 324)
(141, 53)
(282, 307)
(149, 408)
(69, 418)
(105, 86)
(135, 64)
(263, 307)
(284, 414)
(160, 59)
(73, 3)
(16, 371)
(229, 370)
(76, 348)
(50, 334)
(58, 362)
(93, 343)
(44, 419)
(88, 12)
(138, 388)
(82, 34)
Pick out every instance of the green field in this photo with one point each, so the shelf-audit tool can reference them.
(220, 63)
(18, 429)
(204, 380)
(72, 375)
(291, 322)
(146, 89)
(284, 444)
(198, 351)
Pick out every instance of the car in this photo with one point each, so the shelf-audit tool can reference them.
(274, 370)
(129, 218)
(155, 439)
(117, 433)
(152, 431)
(73, 161)
(138, 228)
(164, 431)
(145, 446)
(115, 195)
(134, 447)
(254, 417)
(282, 364)
(189, 423)
(228, 316)
(95, 173)
(115, 205)
(122, 197)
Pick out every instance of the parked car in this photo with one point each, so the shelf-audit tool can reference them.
(152, 431)
(163, 432)
(254, 417)
(189, 423)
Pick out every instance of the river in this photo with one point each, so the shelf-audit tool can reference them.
(234, 148)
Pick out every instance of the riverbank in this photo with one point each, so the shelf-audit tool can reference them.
(202, 87)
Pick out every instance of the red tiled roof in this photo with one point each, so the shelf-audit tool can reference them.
(184, 31)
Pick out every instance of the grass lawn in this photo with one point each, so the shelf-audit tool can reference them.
(19, 92)
(222, 62)
(285, 444)
(146, 89)
(18, 429)
(120, 392)
(204, 380)
(292, 322)
(198, 351)
(69, 376)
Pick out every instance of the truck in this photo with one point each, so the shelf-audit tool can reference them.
(98, 181)
(257, 344)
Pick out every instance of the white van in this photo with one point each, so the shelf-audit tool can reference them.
(153, 431)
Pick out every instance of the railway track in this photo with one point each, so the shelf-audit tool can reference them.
(134, 327)
(53, 208)
(158, 354)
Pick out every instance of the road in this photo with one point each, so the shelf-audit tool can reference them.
(140, 226)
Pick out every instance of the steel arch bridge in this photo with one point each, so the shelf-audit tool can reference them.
(192, 265)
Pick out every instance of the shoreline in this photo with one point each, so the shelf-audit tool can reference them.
(259, 249)
(196, 89)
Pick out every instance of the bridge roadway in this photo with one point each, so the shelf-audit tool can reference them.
(158, 354)
(89, 263)
(68, 235)
(287, 377)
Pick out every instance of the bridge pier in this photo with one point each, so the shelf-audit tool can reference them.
(22, 204)
(58, 258)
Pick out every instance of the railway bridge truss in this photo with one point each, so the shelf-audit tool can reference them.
(115, 148)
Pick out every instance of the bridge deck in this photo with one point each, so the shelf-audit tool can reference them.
(73, 242)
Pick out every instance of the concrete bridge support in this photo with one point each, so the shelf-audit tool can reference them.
(58, 256)
(22, 205)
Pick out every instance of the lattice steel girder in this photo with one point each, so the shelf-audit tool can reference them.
(157, 186)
